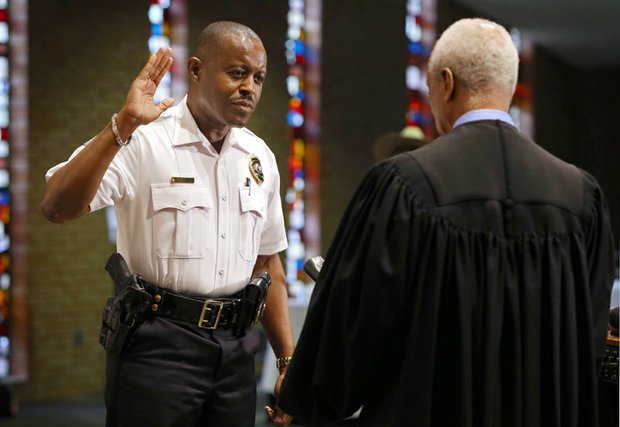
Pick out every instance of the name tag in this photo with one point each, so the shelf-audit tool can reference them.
(181, 180)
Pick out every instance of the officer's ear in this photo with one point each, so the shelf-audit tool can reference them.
(194, 67)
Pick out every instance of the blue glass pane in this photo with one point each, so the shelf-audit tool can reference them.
(300, 47)
(415, 48)
(295, 119)
(157, 29)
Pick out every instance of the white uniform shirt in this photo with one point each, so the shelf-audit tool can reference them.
(199, 238)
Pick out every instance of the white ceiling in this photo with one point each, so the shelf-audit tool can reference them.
(584, 33)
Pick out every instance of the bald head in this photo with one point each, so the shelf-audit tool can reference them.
(212, 36)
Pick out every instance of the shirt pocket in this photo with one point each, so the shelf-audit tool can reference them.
(252, 204)
(180, 219)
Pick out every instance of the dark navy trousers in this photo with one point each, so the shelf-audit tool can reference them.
(172, 374)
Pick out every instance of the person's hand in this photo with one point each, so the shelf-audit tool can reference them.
(139, 108)
(277, 416)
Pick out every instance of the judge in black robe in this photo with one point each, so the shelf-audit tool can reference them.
(467, 285)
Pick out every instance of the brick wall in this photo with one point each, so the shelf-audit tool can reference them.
(82, 60)
(363, 95)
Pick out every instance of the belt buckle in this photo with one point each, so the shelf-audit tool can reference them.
(205, 308)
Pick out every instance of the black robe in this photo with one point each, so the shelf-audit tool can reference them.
(468, 284)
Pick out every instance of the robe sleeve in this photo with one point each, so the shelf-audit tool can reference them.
(600, 259)
(355, 314)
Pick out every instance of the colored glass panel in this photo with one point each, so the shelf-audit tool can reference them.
(420, 33)
(159, 19)
(521, 106)
(5, 208)
(295, 83)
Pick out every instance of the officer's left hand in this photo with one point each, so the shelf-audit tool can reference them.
(276, 415)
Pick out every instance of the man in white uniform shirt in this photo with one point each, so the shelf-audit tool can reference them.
(199, 213)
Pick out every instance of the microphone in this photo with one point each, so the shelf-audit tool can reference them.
(613, 320)
(313, 266)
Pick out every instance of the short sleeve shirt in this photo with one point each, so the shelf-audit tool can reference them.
(188, 218)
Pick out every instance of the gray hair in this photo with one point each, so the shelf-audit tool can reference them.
(480, 54)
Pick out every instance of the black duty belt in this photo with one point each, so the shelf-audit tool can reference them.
(207, 313)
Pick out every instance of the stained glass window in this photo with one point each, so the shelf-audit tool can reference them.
(5, 212)
(295, 83)
(521, 107)
(303, 56)
(420, 32)
(159, 18)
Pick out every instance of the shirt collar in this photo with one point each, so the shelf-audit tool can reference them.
(183, 129)
(484, 114)
(235, 139)
(187, 132)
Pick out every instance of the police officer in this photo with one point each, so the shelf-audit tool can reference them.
(199, 213)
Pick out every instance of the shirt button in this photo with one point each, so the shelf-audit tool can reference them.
(224, 198)
(220, 272)
(184, 202)
(223, 235)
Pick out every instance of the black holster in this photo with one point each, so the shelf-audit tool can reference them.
(126, 310)
(253, 298)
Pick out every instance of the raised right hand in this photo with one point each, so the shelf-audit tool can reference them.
(73, 186)
(139, 108)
